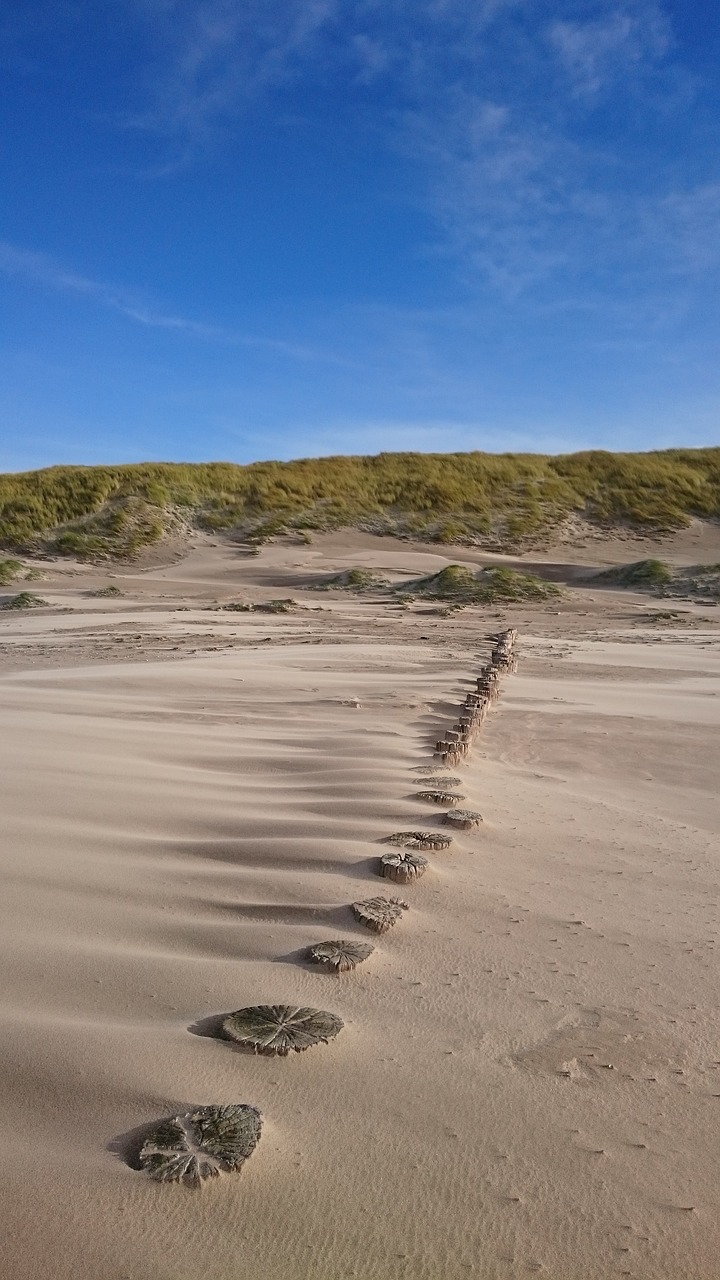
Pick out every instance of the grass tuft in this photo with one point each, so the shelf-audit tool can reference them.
(457, 585)
(661, 579)
(9, 571)
(25, 600)
(643, 574)
(353, 580)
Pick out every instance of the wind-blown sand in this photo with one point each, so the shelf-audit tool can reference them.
(528, 1080)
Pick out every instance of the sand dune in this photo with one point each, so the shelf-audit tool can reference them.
(529, 1073)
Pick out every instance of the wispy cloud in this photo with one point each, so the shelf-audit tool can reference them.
(597, 52)
(487, 100)
(40, 269)
(493, 104)
(213, 57)
(527, 190)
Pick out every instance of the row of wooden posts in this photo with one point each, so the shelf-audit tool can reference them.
(215, 1139)
(455, 746)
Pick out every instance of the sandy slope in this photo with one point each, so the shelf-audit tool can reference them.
(529, 1076)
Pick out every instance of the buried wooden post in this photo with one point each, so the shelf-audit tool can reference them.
(402, 866)
(200, 1144)
(379, 914)
(341, 954)
(278, 1028)
(471, 714)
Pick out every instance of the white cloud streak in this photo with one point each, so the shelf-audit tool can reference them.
(217, 56)
(598, 52)
(40, 269)
(489, 103)
(486, 100)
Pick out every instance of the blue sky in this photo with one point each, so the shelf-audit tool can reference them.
(242, 229)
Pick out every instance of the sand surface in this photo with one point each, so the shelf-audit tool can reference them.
(528, 1080)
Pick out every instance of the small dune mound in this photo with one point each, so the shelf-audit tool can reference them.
(444, 783)
(340, 955)
(201, 1144)
(402, 866)
(25, 600)
(509, 586)
(698, 580)
(463, 818)
(440, 797)
(9, 571)
(454, 582)
(420, 840)
(644, 575)
(457, 585)
(278, 1028)
(353, 580)
(703, 578)
(379, 914)
(105, 592)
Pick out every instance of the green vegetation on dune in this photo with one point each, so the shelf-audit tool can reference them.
(353, 580)
(458, 585)
(25, 600)
(121, 528)
(643, 574)
(454, 582)
(510, 500)
(9, 571)
(512, 587)
(661, 579)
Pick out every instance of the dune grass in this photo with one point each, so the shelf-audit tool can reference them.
(510, 500)
(457, 585)
(644, 575)
(353, 580)
(25, 600)
(662, 579)
(9, 571)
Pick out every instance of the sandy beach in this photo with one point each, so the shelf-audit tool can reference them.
(528, 1079)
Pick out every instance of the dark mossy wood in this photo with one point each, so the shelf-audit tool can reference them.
(463, 818)
(420, 840)
(402, 866)
(379, 914)
(278, 1028)
(201, 1144)
(342, 954)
